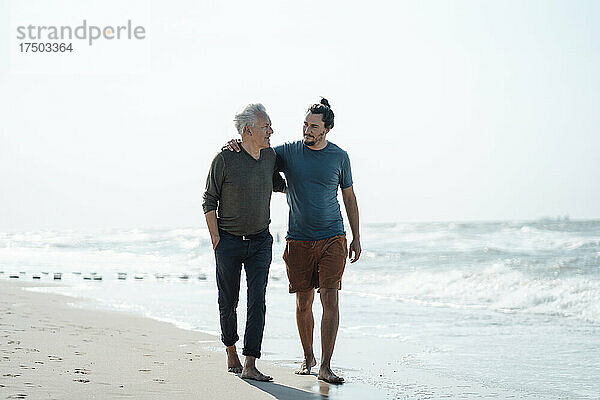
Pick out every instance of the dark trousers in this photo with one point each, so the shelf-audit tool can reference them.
(254, 252)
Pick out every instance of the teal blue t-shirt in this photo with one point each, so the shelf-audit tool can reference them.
(313, 178)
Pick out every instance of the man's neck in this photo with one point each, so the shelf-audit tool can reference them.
(251, 148)
(318, 146)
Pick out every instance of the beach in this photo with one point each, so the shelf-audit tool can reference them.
(431, 311)
(51, 350)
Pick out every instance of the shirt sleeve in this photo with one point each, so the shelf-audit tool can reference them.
(346, 172)
(214, 182)
(279, 158)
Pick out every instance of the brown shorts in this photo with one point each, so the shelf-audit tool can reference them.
(315, 264)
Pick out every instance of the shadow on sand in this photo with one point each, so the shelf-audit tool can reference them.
(319, 390)
(282, 392)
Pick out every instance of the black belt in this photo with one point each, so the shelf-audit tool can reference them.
(248, 237)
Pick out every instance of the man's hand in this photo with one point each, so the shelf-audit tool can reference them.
(213, 227)
(215, 241)
(354, 248)
(232, 145)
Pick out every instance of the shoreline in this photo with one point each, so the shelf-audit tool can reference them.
(432, 312)
(53, 350)
(56, 346)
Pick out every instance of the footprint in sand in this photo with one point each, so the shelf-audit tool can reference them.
(81, 371)
(32, 350)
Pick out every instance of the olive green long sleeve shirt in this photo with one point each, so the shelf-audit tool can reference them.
(239, 187)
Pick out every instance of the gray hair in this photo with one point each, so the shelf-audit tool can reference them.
(248, 116)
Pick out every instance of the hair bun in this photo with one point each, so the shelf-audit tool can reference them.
(325, 102)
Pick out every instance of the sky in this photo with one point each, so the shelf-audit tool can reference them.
(449, 111)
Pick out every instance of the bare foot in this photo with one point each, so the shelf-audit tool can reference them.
(327, 375)
(306, 366)
(233, 361)
(255, 374)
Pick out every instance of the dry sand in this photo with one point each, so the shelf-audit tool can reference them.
(51, 350)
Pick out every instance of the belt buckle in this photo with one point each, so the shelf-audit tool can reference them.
(245, 238)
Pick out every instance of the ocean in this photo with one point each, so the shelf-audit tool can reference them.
(506, 307)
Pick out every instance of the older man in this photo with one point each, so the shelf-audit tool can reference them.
(238, 189)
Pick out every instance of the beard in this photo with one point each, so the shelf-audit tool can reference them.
(310, 140)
